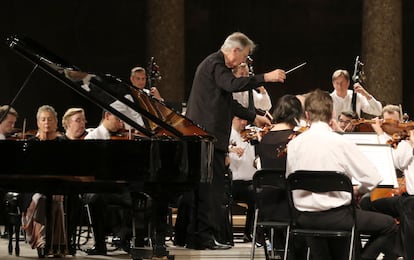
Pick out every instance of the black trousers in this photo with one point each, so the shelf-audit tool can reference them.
(207, 213)
(243, 191)
(381, 228)
(401, 208)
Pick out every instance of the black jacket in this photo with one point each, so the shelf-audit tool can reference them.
(211, 103)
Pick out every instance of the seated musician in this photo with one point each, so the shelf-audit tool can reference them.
(261, 98)
(398, 203)
(33, 210)
(345, 121)
(6, 127)
(7, 120)
(98, 202)
(319, 148)
(138, 79)
(390, 113)
(342, 96)
(73, 121)
(271, 152)
(241, 156)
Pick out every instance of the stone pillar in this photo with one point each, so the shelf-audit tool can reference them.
(165, 42)
(382, 49)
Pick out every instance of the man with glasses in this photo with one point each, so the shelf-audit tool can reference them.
(212, 106)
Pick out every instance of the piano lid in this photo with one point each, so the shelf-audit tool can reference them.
(141, 111)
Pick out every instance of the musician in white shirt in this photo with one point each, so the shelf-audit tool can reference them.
(261, 98)
(342, 96)
(8, 121)
(109, 124)
(242, 155)
(400, 206)
(138, 79)
(320, 148)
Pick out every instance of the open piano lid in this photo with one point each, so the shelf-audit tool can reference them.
(110, 92)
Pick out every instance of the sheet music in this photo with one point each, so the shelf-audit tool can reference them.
(362, 138)
(381, 156)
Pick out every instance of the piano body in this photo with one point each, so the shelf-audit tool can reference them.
(172, 153)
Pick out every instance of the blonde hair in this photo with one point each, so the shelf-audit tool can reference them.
(339, 73)
(391, 109)
(46, 108)
(137, 69)
(70, 112)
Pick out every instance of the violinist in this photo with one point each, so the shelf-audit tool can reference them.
(259, 97)
(7, 120)
(287, 116)
(73, 122)
(47, 124)
(401, 205)
(109, 124)
(342, 96)
(98, 202)
(272, 152)
(33, 215)
(390, 113)
(241, 155)
(319, 148)
(344, 123)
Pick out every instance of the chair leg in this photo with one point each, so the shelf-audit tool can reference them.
(351, 245)
(256, 215)
(286, 243)
(10, 236)
(17, 235)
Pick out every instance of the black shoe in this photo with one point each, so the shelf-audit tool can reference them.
(247, 238)
(96, 251)
(211, 244)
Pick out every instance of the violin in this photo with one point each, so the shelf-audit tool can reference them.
(124, 134)
(389, 126)
(253, 133)
(379, 193)
(282, 150)
(397, 138)
(17, 134)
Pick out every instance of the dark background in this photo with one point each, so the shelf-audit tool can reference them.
(109, 37)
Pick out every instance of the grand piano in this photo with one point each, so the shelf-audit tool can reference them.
(170, 154)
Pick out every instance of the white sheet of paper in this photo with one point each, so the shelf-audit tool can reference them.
(381, 156)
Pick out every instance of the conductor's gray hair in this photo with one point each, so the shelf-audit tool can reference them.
(238, 40)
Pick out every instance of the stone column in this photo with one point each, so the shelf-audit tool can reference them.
(165, 42)
(382, 49)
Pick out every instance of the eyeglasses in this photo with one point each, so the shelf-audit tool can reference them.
(79, 120)
(344, 121)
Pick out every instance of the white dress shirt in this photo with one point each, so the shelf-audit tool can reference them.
(404, 160)
(127, 111)
(241, 167)
(261, 101)
(372, 106)
(320, 148)
(99, 133)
